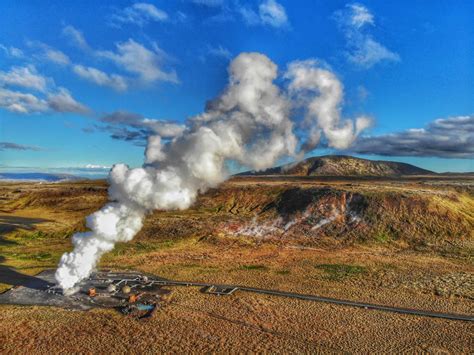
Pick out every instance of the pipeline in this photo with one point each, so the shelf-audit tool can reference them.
(377, 307)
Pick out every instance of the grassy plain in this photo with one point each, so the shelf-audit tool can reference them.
(401, 242)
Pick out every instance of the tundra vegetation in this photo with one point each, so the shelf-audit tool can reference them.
(404, 242)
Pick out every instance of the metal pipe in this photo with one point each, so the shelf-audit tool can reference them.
(410, 311)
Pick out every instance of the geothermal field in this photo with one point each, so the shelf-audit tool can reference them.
(399, 242)
(236, 177)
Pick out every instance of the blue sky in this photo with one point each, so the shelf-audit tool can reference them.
(65, 65)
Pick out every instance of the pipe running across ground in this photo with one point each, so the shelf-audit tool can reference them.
(410, 311)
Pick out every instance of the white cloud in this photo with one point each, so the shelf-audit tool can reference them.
(137, 59)
(369, 52)
(18, 102)
(250, 16)
(56, 56)
(49, 53)
(209, 3)
(162, 128)
(360, 15)
(47, 96)
(97, 166)
(76, 37)
(220, 51)
(363, 49)
(62, 101)
(130, 56)
(26, 77)
(139, 14)
(270, 13)
(12, 51)
(116, 82)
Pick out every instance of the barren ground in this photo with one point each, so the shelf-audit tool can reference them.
(246, 233)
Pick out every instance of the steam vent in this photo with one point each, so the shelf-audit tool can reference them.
(131, 293)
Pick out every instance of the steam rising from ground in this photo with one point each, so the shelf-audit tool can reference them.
(249, 123)
(321, 93)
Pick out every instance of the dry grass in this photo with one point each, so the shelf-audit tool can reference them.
(371, 263)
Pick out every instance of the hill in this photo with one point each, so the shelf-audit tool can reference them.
(341, 165)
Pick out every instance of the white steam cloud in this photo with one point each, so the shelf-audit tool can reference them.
(323, 111)
(249, 123)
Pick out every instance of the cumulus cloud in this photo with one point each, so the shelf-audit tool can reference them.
(273, 14)
(138, 14)
(146, 65)
(137, 59)
(269, 13)
(19, 102)
(133, 127)
(46, 96)
(29, 75)
(355, 21)
(15, 146)
(26, 77)
(62, 101)
(451, 137)
(115, 81)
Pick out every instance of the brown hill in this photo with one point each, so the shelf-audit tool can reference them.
(341, 165)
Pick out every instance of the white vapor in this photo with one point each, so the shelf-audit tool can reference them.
(323, 111)
(249, 123)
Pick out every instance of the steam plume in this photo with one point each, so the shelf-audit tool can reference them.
(323, 111)
(248, 123)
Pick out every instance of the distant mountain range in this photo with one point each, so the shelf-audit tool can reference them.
(47, 177)
(342, 165)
